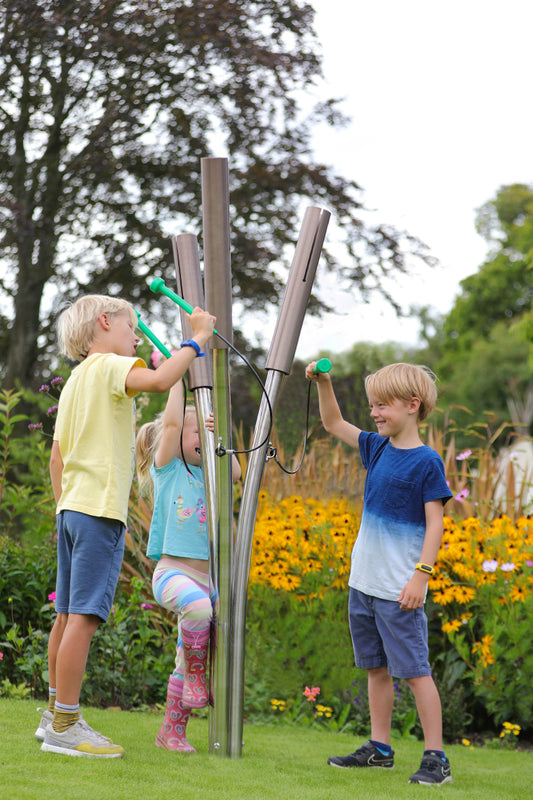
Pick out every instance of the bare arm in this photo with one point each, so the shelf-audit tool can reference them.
(142, 379)
(330, 413)
(414, 592)
(56, 470)
(172, 425)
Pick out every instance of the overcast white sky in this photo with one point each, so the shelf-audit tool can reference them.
(442, 116)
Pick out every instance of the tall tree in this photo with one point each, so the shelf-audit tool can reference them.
(484, 339)
(106, 109)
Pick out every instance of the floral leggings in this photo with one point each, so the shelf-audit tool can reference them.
(190, 595)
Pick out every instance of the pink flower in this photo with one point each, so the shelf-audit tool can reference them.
(155, 358)
(462, 495)
(52, 597)
(464, 455)
(489, 566)
(1, 656)
(146, 605)
(508, 567)
(311, 694)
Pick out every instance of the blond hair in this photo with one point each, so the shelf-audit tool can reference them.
(76, 325)
(403, 382)
(146, 445)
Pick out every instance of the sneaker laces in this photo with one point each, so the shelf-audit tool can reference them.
(97, 736)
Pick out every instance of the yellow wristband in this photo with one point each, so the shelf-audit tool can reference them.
(425, 568)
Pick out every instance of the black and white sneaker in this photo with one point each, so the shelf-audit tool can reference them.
(434, 770)
(368, 755)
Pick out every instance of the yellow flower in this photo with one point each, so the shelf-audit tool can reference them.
(484, 648)
(466, 742)
(323, 711)
(452, 625)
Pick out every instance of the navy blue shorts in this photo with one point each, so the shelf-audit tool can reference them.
(89, 560)
(385, 636)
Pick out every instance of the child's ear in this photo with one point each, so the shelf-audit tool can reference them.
(414, 405)
(103, 321)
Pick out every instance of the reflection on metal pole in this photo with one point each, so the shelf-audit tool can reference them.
(217, 269)
(279, 362)
(200, 375)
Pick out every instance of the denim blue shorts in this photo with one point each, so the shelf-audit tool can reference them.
(89, 559)
(385, 636)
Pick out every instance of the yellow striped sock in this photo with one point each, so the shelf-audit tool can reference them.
(63, 720)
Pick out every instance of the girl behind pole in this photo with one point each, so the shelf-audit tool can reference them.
(168, 454)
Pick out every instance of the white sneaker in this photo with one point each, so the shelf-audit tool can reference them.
(46, 719)
(80, 740)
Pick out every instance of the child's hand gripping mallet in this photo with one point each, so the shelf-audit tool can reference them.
(322, 365)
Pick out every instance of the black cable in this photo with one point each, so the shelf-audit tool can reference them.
(306, 437)
(221, 451)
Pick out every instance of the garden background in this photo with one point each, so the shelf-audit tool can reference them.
(107, 110)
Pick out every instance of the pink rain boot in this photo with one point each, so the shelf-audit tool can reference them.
(195, 646)
(171, 734)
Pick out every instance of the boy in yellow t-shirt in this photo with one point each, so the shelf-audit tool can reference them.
(91, 467)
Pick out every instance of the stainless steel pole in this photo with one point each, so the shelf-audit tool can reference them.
(200, 377)
(217, 269)
(279, 362)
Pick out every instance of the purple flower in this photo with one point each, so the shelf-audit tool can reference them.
(44, 388)
(146, 605)
(56, 381)
(35, 426)
(52, 410)
(508, 567)
(464, 455)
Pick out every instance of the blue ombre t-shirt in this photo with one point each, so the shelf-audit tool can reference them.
(393, 526)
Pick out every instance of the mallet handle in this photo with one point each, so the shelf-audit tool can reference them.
(153, 338)
(158, 285)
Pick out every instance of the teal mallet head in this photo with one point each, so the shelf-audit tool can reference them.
(322, 365)
(158, 287)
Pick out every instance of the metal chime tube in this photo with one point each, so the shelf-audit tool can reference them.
(199, 375)
(217, 278)
(279, 362)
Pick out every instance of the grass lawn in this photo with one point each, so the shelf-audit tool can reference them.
(284, 762)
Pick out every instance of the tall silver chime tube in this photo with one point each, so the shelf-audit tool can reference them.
(279, 362)
(217, 279)
(199, 374)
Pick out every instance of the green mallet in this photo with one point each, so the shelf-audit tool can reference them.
(158, 286)
(322, 365)
(153, 338)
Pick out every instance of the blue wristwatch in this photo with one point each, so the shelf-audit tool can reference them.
(194, 345)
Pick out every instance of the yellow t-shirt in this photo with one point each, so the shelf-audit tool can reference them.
(95, 428)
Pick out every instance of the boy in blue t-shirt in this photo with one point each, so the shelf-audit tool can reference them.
(393, 557)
